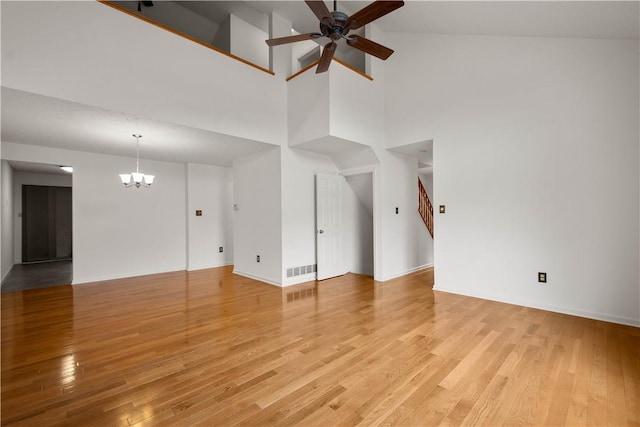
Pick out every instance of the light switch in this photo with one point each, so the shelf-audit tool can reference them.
(442, 209)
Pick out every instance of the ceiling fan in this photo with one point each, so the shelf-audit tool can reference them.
(336, 25)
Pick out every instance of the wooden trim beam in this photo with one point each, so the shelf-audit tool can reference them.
(344, 64)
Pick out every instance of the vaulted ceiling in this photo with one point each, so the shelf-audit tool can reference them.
(28, 118)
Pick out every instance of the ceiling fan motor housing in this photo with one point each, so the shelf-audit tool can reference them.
(335, 32)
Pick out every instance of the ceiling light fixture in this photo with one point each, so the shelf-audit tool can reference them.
(68, 169)
(139, 179)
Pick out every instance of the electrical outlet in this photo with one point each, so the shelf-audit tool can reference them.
(198, 212)
(396, 211)
(542, 277)
(257, 258)
(220, 249)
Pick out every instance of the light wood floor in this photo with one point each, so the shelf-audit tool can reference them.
(211, 348)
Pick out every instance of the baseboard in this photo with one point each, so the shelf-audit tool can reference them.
(548, 307)
(260, 279)
(205, 267)
(406, 272)
(85, 280)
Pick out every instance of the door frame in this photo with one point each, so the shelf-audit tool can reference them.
(377, 244)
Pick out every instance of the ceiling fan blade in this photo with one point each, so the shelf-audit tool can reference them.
(372, 12)
(292, 39)
(369, 47)
(321, 11)
(325, 59)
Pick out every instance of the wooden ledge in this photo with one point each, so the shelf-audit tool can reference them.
(344, 64)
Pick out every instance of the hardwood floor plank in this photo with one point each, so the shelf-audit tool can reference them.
(211, 348)
(597, 402)
(630, 340)
(577, 414)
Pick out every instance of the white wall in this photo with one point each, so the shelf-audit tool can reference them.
(307, 107)
(404, 236)
(119, 232)
(353, 57)
(299, 50)
(177, 17)
(222, 39)
(427, 182)
(358, 224)
(536, 148)
(248, 42)
(257, 222)
(27, 178)
(6, 220)
(299, 169)
(339, 103)
(209, 189)
(347, 106)
(42, 53)
(281, 57)
(356, 111)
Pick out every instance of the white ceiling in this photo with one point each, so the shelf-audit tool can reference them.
(600, 19)
(40, 120)
(34, 119)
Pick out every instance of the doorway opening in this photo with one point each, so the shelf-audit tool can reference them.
(359, 223)
(345, 224)
(46, 224)
(41, 224)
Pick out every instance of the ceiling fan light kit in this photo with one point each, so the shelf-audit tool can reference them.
(336, 25)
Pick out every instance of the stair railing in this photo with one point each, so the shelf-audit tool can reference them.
(425, 208)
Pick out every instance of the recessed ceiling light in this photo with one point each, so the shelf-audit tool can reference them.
(67, 168)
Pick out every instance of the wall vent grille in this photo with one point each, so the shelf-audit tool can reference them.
(299, 271)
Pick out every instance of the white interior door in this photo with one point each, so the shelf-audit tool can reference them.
(329, 226)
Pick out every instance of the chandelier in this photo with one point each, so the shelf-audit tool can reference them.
(139, 179)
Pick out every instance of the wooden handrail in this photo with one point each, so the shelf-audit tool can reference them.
(425, 208)
(344, 64)
(230, 55)
(181, 34)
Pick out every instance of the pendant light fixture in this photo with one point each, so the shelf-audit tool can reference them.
(137, 178)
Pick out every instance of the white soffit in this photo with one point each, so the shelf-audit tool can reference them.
(30, 167)
(423, 151)
(33, 119)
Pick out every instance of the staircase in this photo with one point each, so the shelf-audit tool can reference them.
(425, 209)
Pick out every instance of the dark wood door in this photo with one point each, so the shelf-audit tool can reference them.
(46, 223)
